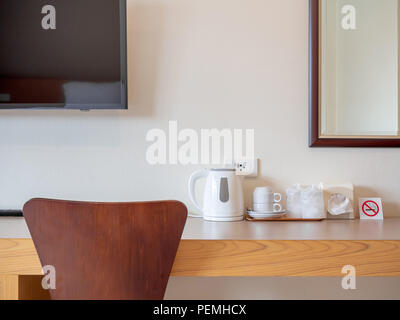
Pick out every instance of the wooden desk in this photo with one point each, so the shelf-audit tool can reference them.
(210, 249)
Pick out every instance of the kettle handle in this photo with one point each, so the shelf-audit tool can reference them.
(192, 182)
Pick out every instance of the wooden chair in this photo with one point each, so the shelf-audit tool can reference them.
(106, 251)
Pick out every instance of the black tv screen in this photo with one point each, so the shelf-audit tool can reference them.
(63, 54)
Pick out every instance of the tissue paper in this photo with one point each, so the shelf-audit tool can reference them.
(344, 189)
(339, 204)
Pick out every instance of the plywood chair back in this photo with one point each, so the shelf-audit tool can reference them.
(107, 250)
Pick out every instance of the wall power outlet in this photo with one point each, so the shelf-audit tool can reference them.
(247, 167)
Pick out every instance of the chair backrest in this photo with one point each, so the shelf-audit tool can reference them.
(107, 250)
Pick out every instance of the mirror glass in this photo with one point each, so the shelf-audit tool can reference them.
(359, 68)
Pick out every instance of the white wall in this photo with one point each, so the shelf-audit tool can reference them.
(205, 63)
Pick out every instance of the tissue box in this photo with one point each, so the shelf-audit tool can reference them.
(346, 189)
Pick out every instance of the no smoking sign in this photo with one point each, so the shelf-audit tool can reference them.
(371, 209)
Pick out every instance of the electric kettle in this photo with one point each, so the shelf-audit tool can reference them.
(223, 194)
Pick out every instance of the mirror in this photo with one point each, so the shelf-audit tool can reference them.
(354, 69)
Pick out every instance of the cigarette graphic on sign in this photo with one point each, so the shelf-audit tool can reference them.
(371, 209)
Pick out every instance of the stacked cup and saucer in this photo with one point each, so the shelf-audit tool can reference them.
(266, 204)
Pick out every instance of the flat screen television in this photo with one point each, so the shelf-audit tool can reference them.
(67, 54)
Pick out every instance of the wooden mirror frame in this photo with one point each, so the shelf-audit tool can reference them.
(315, 139)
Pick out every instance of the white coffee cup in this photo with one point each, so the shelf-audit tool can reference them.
(265, 200)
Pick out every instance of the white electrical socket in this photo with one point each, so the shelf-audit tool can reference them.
(247, 167)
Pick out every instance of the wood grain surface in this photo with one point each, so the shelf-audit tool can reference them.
(19, 257)
(8, 287)
(209, 258)
(287, 258)
(122, 251)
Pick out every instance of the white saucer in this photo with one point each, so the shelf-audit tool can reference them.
(263, 215)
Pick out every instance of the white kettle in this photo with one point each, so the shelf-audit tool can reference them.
(223, 194)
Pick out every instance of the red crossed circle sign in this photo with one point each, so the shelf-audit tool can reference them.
(370, 208)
